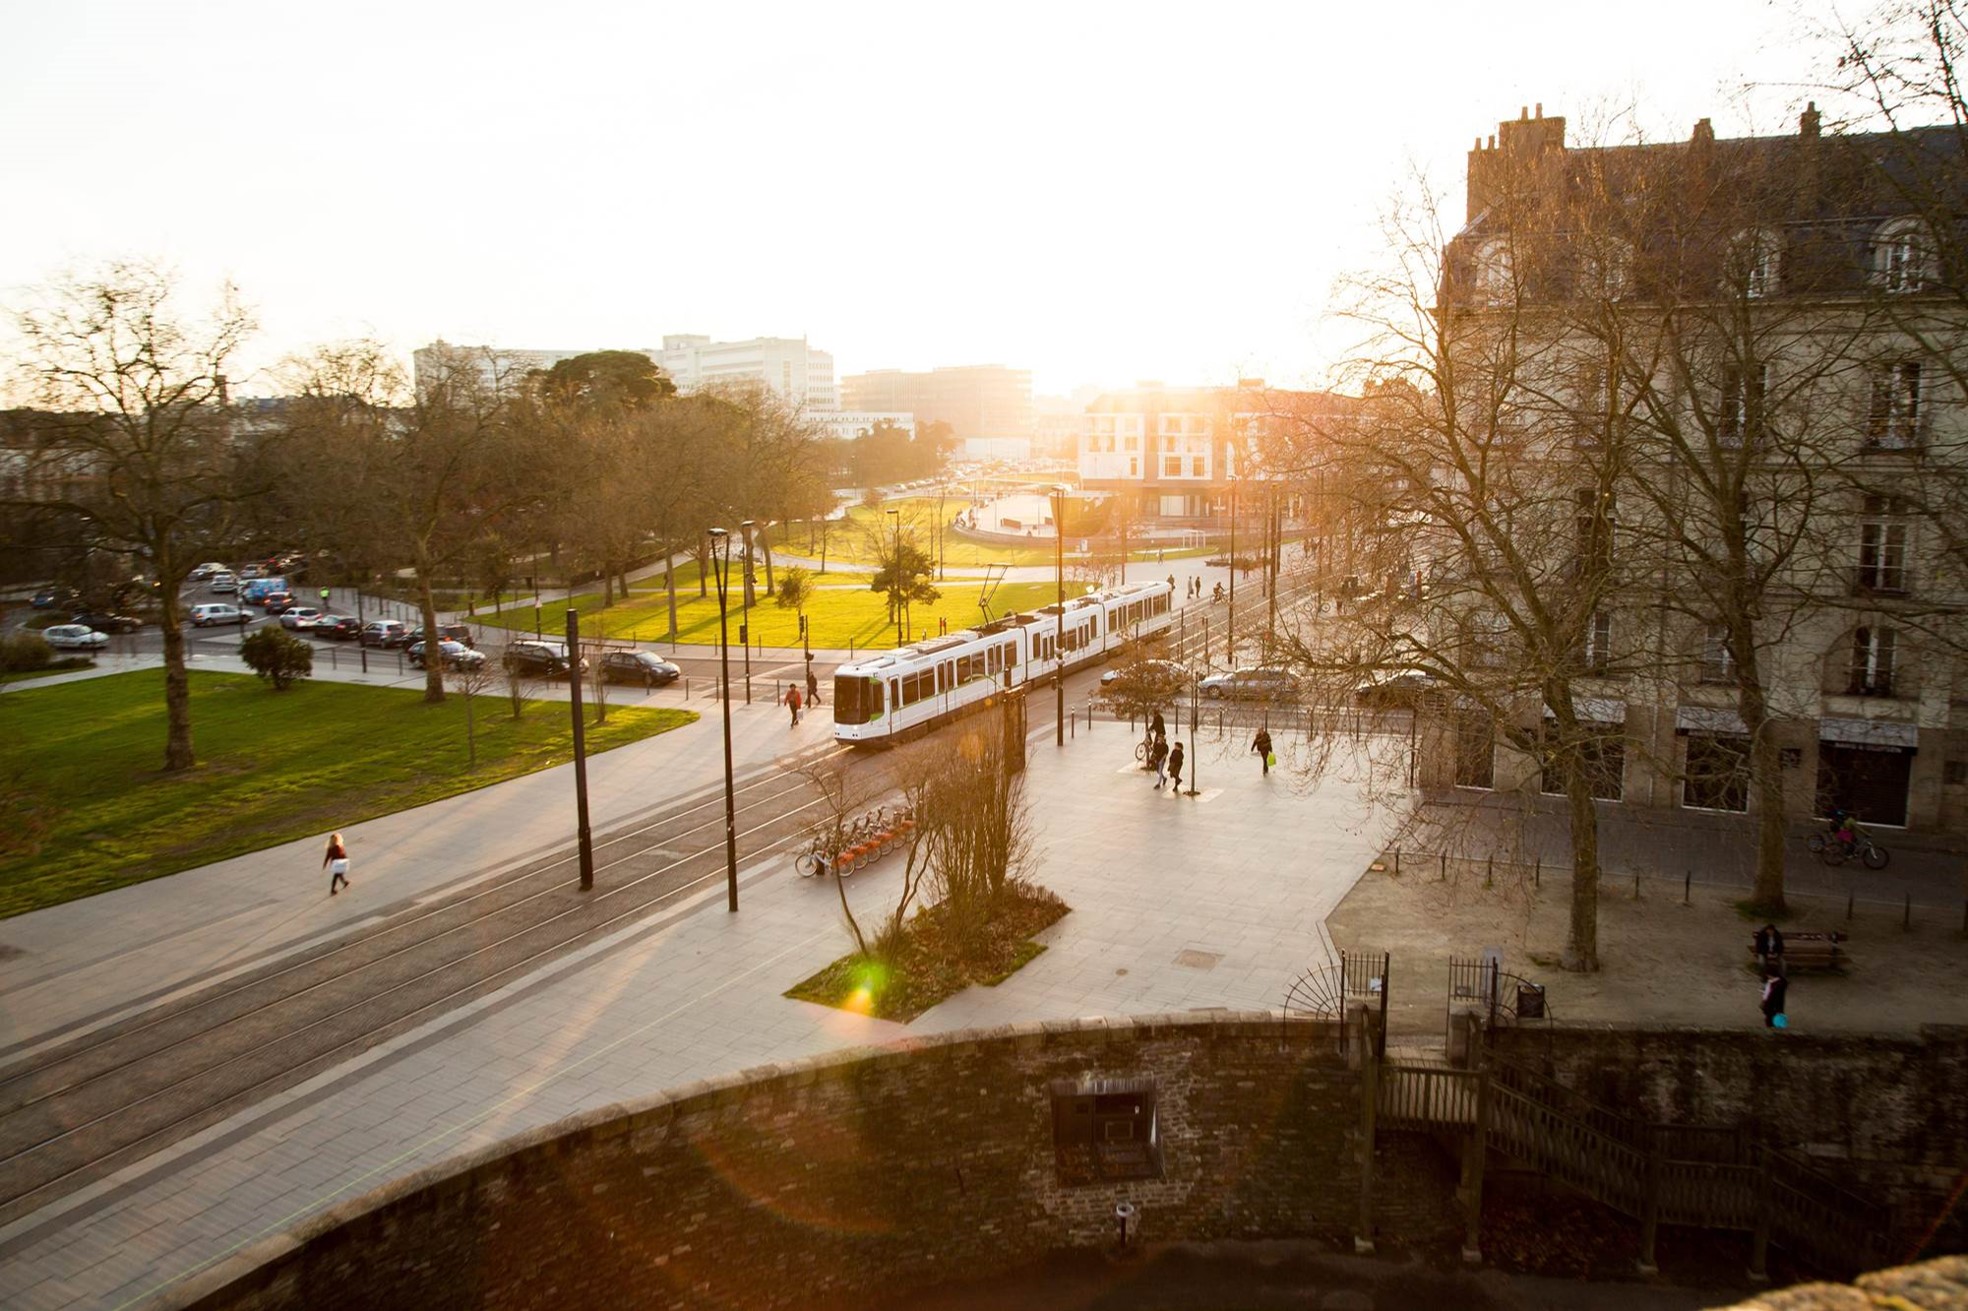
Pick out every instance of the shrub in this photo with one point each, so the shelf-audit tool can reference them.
(25, 651)
(277, 654)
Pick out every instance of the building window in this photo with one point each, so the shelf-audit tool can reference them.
(1873, 650)
(1131, 444)
(1607, 272)
(1495, 281)
(1196, 466)
(1900, 257)
(1602, 756)
(1882, 547)
(1739, 417)
(1893, 414)
(1718, 657)
(1753, 263)
(1955, 773)
(1171, 466)
(1594, 520)
(1599, 643)
(1134, 466)
(1717, 774)
(1475, 743)
(1104, 1129)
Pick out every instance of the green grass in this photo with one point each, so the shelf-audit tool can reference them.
(87, 808)
(843, 613)
(61, 665)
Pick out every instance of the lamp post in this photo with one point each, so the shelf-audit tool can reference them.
(1230, 625)
(583, 835)
(895, 575)
(723, 574)
(1059, 491)
(745, 624)
(941, 529)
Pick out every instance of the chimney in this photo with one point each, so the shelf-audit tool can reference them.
(1515, 147)
(1704, 133)
(1808, 122)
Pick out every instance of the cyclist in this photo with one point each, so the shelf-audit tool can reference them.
(1843, 829)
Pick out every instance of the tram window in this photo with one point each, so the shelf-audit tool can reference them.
(943, 677)
(1011, 655)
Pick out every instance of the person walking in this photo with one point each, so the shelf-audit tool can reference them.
(812, 687)
(793, 703)
(336, 861)
(1158, 753)
(1774, 989)
(1261, 744)
(1175, 765)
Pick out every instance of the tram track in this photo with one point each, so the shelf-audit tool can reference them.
(101, 1102)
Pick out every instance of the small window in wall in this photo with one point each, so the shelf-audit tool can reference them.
(1717, 772)
(1104, 1129)
(1475, 751)
(1955, 773)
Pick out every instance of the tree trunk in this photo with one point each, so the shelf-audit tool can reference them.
(765, 545)
(669, 583)
(1582, 934)
(1766, 782)
(433, 659)
(178, 754)
(703, 567)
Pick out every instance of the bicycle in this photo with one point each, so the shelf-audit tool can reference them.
(1829, 849)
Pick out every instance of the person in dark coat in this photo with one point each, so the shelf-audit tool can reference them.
(1261, 744)
(1769, 949)
(812, 687)
(1175, 765)
(1156, 726)
(793, 704)
(1157, 758)
(1774, 989)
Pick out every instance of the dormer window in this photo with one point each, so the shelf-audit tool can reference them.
(1902, 257)
(1606, 272)
(1496, 278)
(1755, 257)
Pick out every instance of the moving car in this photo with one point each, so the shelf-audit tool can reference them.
(74, 637)
(445, 632)
(643, 667)
(105, 622)
(541, 659)
(336, 628)
(1162, 671)
(1250, 685)
(456, 655)
(385, 632)
(296, 617)
(204, 571)
(224, 581)
(49, 598)
(1403, 688)
(277, 602)
(217, 612)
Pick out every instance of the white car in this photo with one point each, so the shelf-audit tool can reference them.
(75, 637)
(217, 613)
(297, 617)
(206, 570)
(224, 581)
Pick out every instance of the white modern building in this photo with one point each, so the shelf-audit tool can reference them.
(847, 425)
(787, 365)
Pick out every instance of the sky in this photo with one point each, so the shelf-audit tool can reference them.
(1100, 193)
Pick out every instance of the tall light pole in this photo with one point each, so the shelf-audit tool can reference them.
(895, 575)
(583, 837)
(745, 624)
(1059, 491)
(719, 537)
(1230, 626)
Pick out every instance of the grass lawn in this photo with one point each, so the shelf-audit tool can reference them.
(843, 613)
(86, 809)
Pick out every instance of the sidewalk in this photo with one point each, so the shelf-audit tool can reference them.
(1254, 865)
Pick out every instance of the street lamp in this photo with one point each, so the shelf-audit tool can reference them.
(745, 624)
(895, 575)
(722, 571)
(1230, 625)
(1059, 491)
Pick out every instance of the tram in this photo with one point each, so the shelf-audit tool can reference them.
(900, 693)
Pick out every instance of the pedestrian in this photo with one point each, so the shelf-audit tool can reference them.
(1159, 556)
(942, 626)
(793, 704)
(1774, 989)
(1769, 949)
(1171, 584)
(1158, 754)
(1175, 765)
(1156, 726)
(336, 861)
(812, 687)
(1261, 744)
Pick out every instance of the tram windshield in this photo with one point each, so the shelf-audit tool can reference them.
(857, 700)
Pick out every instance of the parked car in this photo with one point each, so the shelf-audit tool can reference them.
(1163, 670)
(54, 598)
(644, 667)
(1250, 685)
(445, 632)
(1405, 688)
(297, 617)
(541, 659)
(105, 622)
(456, 655)
(74, 637)
(217, 612)
(385, 632)
(336, 628)
(223, 581)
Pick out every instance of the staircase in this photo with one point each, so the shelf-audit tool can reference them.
(1709, 1178)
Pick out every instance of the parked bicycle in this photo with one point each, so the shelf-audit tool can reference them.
(856, 844)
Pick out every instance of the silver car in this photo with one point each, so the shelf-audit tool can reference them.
(74, 637)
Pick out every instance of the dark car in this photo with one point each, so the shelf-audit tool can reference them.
(456, 655)
(1386, 691)
(275, 602)
(643, 667)
(104, 622)
(337, 628)
(540, 659)
(52, 598)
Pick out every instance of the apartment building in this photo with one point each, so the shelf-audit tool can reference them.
(1701, 476)
(978, 401)
(788, 366)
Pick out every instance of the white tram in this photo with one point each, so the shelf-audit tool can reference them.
(898, 693)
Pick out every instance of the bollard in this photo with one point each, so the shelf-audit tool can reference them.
(1073, 724)
(1537, 873)
(1445, 867)
(1848, 908)
(1489, 871)
(1687, 885)
(1906, 916)
(1636, 886)
(1397, 862)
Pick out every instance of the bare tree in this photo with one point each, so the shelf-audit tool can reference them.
(135, 435)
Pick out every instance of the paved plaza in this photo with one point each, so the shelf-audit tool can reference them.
(1183, 902)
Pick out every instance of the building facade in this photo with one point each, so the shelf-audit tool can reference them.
(977, 401)
(787, 366)
(1706, 451)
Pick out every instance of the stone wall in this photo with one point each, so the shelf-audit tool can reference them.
(814, 1183)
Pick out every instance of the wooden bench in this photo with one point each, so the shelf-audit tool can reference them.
(1811, 951)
